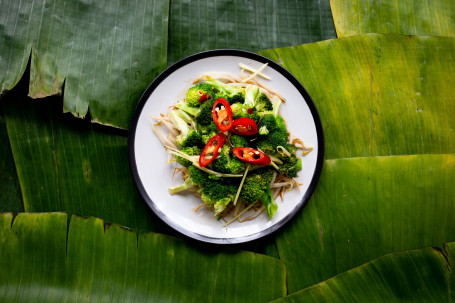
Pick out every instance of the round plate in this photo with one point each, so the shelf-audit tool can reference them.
(153, 175)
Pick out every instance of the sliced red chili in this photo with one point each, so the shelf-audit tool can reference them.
(211, 149)
(251, 155)
(222, 114)
(244, 127)
(203, 97)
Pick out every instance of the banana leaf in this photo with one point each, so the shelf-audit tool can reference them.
(412, 276)
(68, 164)
(364, 208)
(10, 192)
(450, 249)
(196, 26)
(106, 52)
(417, 17)
(43, 260)
(379, 95)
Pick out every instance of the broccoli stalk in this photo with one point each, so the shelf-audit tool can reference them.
(178, 188)
(251, 96)
(193, 111)
(269, 202)
(188, 136)
(276, 102)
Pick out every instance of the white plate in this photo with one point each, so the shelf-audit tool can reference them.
(153, 174)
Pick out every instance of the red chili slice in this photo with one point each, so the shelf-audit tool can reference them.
(244, 127)
(222, 115)
(251, 155)
(203, 97)
(212, 147)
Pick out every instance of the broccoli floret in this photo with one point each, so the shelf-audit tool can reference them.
(207, 131)
(195, 93)
(237, 109)
(270, 142)
(188, 136)
(263, 130)
(244, 114)
(291, 166)
(178, 188)
(198, 176)
(291, 148)
(204, 116)
(225, 163)
(267, 124)
(231, 93)
(256, 183)
(238, 141)
(263, 103)
(191, 151)
(214, 192)
(278, 137)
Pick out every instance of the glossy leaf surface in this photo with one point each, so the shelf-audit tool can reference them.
(106, 52)
(364, 208)
(40, 263)
(417, 17)
(248, 25)
(412, 276)
(379, 95)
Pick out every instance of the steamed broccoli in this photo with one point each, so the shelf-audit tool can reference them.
(193, 111)
(184, 186)
(238, 141)
(214, 192)
(191, 151)
(272, 141)
(199, 93)
(204, 116)
(231, 93)
(291, 166)
(263, 103)
(237, 109)
(207, 131)
(251, 96)
(267, 124)
(256, 183)
(188, 136)
(226, 163)
(275, 138)
(269, 202)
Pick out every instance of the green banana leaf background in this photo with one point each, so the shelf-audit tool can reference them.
(379, 227)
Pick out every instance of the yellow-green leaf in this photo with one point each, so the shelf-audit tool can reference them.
(417, 17)
(379, 94)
